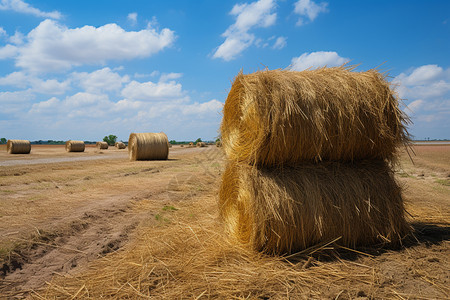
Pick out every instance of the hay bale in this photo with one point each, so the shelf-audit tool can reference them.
(292, 208)
(148, 146)
(201, 144)
(101, 145)
(75, 146)
(285, 117)
(18, 147)
(191, 144)
(120, 145)
(218, 144)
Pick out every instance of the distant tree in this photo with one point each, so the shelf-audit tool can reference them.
(197, 140)
(3, 141)
(110, 139)
(173, 142)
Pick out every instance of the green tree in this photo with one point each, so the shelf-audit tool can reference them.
(197, 140)
(3, 141)
(110, 139)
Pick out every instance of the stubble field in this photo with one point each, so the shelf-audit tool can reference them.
(94, 224)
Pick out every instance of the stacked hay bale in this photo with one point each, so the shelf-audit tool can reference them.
(309, 160)
(148, 146)
(75, 146)
(101, 145)
(120, 145)
(18, 147)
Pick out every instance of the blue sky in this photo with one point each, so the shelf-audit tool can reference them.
(86, 69)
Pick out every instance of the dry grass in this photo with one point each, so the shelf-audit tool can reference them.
(293, 208)
(148, 146)
(186, 254)
(285, 117)
(18, 147)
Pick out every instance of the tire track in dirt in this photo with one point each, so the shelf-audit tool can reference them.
(93, 231)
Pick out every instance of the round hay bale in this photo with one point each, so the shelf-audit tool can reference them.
(201, 144)
(289, 209)
(18, 147)
(285, 117)
(148, 146)
(120, 145)
(75, 146)
(101, 145)
(181, 145)
(218, 144)
(191, 144)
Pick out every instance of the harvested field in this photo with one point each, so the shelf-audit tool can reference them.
(110, 227)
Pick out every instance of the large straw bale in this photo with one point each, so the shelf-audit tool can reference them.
(75, 146)
(18, 146)
(120, 145)
(285, 117)
(101, 145)
(148, 146)
(201, 144)
(283, 210)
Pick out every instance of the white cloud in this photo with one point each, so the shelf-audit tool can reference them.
(427, 89)
(212, 106)
(54, 47)
(15, 79)
(14, 103)
(150, 91)
(248, 16)
(428, 81)
(101, 80)
(8, 51)
(280, 43)
(309, 9)
(170, 76)
(316, 60)
(132, 17)
(22, 7)
(35, 84)
(3, 32)
(17, 38)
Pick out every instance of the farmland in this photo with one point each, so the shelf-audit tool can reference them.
(95, 224)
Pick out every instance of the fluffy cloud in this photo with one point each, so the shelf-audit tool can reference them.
(316, 60)
(35, 84)
(248, 16)
(100, 81)
(309, 9)
(280, 43)
(54, 47)
(22, 7)
(132, 17)
(426, 90)
(150, 91)
(8, 51)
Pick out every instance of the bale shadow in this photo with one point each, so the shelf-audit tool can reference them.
(422, 233)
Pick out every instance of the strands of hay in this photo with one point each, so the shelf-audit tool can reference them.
(75, 146)
(148, 146)
(120, 145)
(284, 210)
(285, 117)
(101, 145)
(201, 144)
(18, 147)
(193, 260)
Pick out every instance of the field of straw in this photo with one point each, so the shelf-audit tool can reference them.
(94, 224)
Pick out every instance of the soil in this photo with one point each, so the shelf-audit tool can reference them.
(61, 213)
